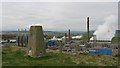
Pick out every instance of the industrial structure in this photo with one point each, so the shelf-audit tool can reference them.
(37, 46)
(88, 28)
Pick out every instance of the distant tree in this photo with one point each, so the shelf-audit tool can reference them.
(115, 40)
(8, 36)
(59, 36)
(49, 36)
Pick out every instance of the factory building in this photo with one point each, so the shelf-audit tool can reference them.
(117, 33)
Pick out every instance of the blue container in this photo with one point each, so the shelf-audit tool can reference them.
(52, 42)
(92, 51)
(105, 51)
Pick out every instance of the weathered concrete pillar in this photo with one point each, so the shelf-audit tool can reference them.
(36, 45)
(25, 38)
(18, 41)
(18, 38)
(60, 46)
(22, 40)
(77, 46)
(26, 41)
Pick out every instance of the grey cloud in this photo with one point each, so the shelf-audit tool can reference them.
(56, 16)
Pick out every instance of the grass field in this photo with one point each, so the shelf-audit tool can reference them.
(15, 56)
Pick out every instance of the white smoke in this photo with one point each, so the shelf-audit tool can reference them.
(107, 30)
(91, 38)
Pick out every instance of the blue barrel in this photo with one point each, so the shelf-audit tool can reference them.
(105, 51)
(92, 51)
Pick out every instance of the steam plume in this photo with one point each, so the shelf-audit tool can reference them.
(107, 30)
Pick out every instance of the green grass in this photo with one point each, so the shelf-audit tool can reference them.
(11, 44)
(15, 56)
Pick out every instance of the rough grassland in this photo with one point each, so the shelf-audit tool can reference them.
(15, 56)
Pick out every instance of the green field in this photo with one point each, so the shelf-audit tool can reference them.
(15, 56)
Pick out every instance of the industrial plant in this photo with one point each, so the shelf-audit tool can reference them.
(59, 35)
(36, 42)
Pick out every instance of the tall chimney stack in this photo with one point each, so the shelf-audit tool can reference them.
(88, 28)
(69, 36)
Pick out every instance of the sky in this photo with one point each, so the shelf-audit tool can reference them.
(56, 16)
(59, 0)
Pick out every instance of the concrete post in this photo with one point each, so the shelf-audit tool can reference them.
(22, 40)
(60, 46)
(77, 46)
(18, 38)
(65, 38)
(26, 39)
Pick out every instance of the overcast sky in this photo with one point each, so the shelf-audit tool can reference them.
(56, 16)
(59, 0)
